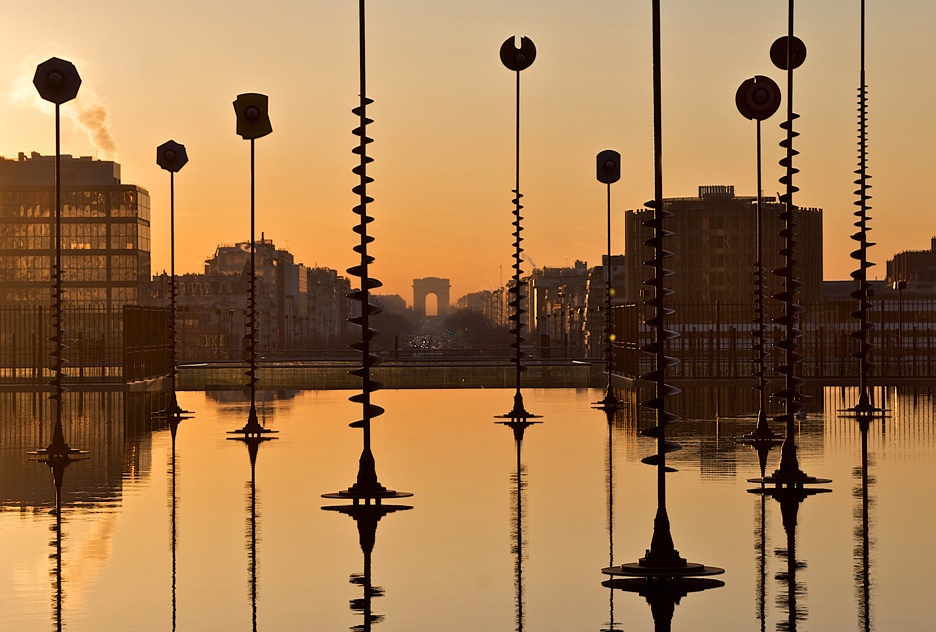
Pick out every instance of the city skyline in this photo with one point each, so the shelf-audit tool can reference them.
(443, 122)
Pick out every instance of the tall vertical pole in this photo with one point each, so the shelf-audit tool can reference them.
(253, 293)
(517, 59)
(253, 122)
(608, 171)
(173, 403)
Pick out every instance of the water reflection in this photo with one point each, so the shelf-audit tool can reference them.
(174, 415)
(366, 514)
(615, 417)
(862, 531)
(517, 498)
(252, 440)
(122, 516)
(57, 464)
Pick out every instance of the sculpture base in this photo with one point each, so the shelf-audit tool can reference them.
(685, 569)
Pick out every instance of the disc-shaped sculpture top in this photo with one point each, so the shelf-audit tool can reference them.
(57, 80)
(171, 156)
(758, 98)
(778, 53)
(609, 166)
(253, 116)
(518, 58)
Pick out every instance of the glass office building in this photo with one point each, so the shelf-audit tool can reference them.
(105, 233)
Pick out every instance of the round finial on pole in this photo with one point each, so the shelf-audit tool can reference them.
(57, 80)
(253, 118)
(778, 53)
(758, 98)
(609, 166)
(171, 156)
(518, 58)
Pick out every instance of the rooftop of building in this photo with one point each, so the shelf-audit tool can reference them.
(38, 170)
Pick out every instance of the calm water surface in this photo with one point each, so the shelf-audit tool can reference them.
(483, 548)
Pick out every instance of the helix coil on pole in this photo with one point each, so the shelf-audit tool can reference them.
(662, 560)
(57, 81)
(758, 99)
(862, 292)
(788, 53)
(253, 122)
(517, 59)
(367, 485)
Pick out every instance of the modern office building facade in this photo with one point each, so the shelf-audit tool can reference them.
(105, 233)
(714, 248)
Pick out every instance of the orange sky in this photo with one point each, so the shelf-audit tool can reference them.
(443, 116)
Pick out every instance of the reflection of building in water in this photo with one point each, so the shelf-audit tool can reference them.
(105, 233)
(115, 427)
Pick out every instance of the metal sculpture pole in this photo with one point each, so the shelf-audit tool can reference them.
(253, 122)
(367, 486)
(171, 156)
(662, 560)
(517, 59)
(609, 171)
(757, 99)
(57, 81)
(788, 53)
(862, 292)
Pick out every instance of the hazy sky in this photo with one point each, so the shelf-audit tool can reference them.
(444, 119)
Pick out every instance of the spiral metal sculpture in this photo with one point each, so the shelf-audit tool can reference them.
(662, 560)
(757, 99)
(862, 292)
(253, 122)
(367, 484)
(172, 156)
(57, 81)
(608, 172)
(517, 59)
(788, 53)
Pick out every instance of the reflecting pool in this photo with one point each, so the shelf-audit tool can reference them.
(156, 534)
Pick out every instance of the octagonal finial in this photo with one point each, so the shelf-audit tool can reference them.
(171, 156)
(57, 80)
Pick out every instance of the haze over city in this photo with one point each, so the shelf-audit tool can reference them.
(443, 116)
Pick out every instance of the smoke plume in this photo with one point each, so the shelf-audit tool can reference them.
(88, 111)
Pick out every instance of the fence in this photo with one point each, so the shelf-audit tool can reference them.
(715, 341)
(103, 345)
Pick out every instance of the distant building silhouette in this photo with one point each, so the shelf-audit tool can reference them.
(441, 288)
(558, 301)
(713, 247)
(595, 300)
(301, 310)
(105, 232)
(915, 268)
(390, 303)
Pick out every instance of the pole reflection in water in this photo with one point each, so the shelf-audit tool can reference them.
(517, 496)
(173, 419)
(252, 439)
(57, 463)
(790, 499)
(760, 534)
(612, 414)
(366, 513)
(862, 532)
